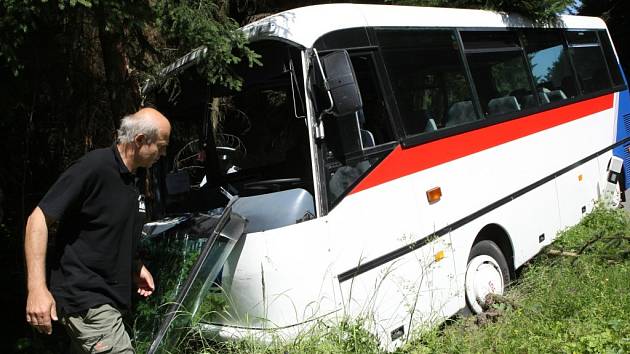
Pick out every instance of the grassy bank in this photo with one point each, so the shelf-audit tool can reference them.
(575, 299)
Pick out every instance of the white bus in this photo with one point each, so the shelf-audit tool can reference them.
(385, 163)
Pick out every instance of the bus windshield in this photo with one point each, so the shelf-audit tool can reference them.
(247, 142)
(260, 132)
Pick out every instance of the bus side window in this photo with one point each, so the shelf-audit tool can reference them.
(499, 71)
(549, 62)
(350, 139)
(373, 118)
(588, 60)
(428, 78)
(611, 60)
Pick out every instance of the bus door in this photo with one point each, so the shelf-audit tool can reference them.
(367, 226)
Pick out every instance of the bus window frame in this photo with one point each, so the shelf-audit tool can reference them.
(375, 152)
(523, 37)
(419, 139)
(601, 50)
(588, 45)
(604, 37)
(403, 137)
(518, 34)
(384, 83)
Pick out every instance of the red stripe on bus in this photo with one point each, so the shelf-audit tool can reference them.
(403, 162)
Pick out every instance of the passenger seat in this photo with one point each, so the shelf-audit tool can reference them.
(556, 95)
(460, 113)
(501, 105)
(529, 101)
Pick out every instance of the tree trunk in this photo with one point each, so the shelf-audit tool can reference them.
(124, 93)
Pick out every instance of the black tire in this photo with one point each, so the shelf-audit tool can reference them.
(489, 248)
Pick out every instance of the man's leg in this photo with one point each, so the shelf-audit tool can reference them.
(99, 330)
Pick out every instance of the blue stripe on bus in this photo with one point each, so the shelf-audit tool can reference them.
(623, 131)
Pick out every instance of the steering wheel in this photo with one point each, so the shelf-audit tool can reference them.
(190, 158)
(276, 184)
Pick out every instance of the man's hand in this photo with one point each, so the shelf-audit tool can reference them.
(40, 309)
(144, 281)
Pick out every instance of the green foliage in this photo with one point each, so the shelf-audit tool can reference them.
(214, 304)
(538, 10)
(18, 18)
(170, 261)
(195, 23)
(602, 223)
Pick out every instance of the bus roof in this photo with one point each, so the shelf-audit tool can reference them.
(305, 25)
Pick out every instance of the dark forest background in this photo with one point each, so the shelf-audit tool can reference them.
(70, 69)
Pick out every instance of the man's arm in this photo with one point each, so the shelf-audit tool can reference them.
(40, 304)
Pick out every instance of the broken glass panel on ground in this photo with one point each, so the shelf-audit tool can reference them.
(186, 260)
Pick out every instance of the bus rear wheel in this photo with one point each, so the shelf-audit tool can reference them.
(487, 273)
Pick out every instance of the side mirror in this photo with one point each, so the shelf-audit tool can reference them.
(341, 83)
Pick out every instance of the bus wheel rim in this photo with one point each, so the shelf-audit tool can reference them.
(483, 276)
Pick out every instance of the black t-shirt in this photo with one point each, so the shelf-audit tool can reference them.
(97, 205)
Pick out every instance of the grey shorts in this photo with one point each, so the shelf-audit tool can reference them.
(99, 330)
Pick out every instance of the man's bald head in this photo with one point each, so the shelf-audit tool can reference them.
(143, 137)
(147, 121)
(153, 115)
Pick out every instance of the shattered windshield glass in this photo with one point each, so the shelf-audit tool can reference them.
(186, 261)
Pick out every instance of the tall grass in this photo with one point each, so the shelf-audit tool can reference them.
(342, 338)
(560, 304)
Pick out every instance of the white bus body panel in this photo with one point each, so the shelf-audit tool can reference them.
(280, 278)
(305, 25)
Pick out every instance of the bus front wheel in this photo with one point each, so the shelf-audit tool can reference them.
(487, 273)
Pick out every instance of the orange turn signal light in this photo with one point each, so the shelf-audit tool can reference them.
(580, 178)
(439, 256)
(434, 195)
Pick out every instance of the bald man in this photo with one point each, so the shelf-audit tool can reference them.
(94, 266)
